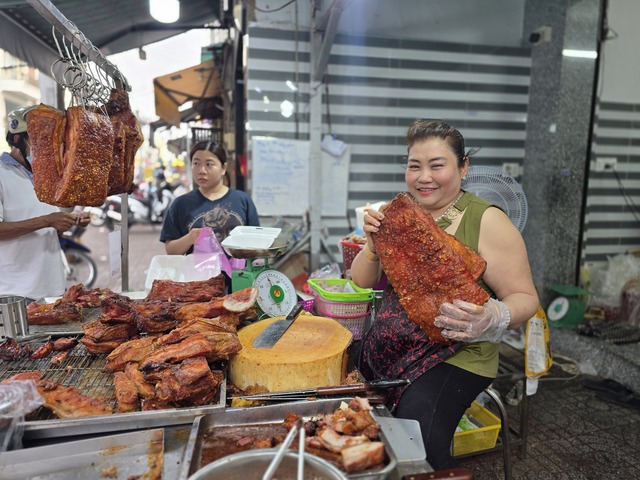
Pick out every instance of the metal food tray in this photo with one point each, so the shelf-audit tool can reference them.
(84, 371)
(128, 455)
(269, 415)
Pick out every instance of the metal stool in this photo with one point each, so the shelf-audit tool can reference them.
(504, 431)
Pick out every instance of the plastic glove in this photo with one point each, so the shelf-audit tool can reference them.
(467, 322)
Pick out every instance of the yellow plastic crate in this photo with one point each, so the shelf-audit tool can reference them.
(483, 438)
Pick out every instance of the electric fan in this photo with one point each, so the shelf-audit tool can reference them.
(502, 190)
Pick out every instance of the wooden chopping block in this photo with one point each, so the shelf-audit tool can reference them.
(311, 353)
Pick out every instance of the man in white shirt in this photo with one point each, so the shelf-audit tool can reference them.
(30, 256)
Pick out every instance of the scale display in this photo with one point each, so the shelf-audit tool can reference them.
(276, 293)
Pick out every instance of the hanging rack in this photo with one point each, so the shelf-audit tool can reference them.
(111, 73)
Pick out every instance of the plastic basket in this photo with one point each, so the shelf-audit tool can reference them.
(351, 315)
(480, 439)
(307, 305)
(360, 294)
(349, 252)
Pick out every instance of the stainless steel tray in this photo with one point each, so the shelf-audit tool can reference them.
(128, 455)
(268, 415)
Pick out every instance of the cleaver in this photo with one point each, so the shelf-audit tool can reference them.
(274, 332)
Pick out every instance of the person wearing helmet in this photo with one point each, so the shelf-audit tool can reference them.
(31, 259)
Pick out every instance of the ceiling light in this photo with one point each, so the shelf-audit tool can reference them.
(580, 53)
(165, 11)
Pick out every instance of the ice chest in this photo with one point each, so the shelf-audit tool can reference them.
(480, 439)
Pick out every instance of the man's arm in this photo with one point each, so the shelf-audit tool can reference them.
(61, 221)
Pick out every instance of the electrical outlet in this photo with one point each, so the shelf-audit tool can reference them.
(511, 169)
(606, 164)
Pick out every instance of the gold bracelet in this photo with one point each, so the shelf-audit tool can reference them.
(371, 256)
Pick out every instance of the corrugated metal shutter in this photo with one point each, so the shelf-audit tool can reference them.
(612, 222)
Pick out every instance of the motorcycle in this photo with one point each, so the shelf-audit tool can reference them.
(79, 267)
(146, 206)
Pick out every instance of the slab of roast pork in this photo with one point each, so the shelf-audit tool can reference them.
(426, 265)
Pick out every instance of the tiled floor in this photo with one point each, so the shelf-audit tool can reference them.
(572, 435)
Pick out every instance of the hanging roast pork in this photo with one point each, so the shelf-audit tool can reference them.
(128, 139)
(72, 154)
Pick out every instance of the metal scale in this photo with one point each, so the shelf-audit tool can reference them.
(276, 294)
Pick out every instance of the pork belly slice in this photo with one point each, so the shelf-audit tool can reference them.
(131, 351)
(213, 346)
(87, 158)
(99, 348)
(236, 302)
(126, 393)
(102, 330)
(195, 346)
(64, 343)
(145, 389)
(57, 313)
(69, 402)
(333, 441)
(190, 380)
(46, 126)
(128, 139)
(426, 265)
(87, 297)
(196, 291)
(194, 326)
(363, 456)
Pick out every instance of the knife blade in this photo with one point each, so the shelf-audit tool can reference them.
(270, 335)
(332, 390)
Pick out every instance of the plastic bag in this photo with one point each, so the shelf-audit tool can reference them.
(17, 399)
(207, 252)
(331, 270)
(537, 350)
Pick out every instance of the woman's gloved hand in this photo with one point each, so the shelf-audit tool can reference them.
(467, 322)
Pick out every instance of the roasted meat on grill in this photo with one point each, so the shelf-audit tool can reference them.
(126, 393)
(144, 388)
(197, 291)
(426, 265)
(190, 381)
(42, 351)
(11, 350)
(101, 330)
(64, 402)
(69, 402)
(64, 343)
(87, 297)
(59, 312)
(236, 302)
(134, 350)
(197, 325)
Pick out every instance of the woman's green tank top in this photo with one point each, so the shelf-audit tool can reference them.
(480, 358)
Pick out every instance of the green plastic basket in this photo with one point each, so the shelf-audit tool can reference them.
(360, 295)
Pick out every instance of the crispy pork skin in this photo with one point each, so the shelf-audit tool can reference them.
(88, 145)
(196, 291)
(126, 393)
(59, 312)
(128, 139)
(233, 303)
(426, 265)
(69, 402)
(45, 127)
(131, 351)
